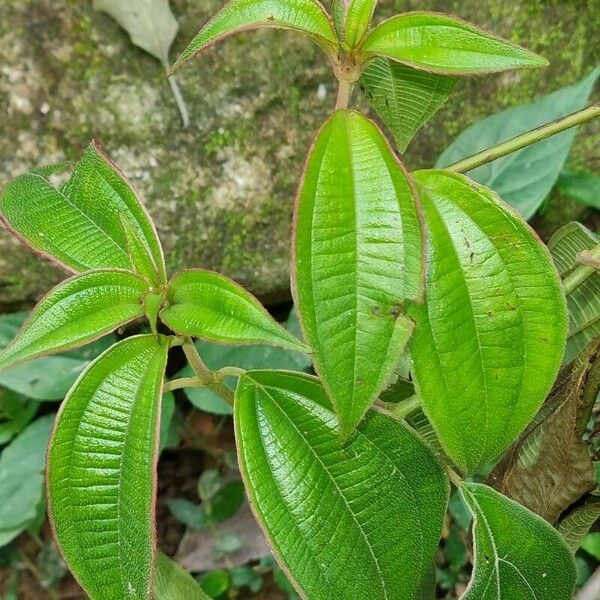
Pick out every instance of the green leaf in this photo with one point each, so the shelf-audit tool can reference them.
(357, 20)
(591, 544)
(584, 301)
(211, 306)
(169, 436)
(171, 582)
(579, 521)
(305, 16)
(524, 178)
(216, 583)
(16, 412)
(442, 44)
(76, 312)
(80, 226)
(101, 470)
(403, 97)
(191, 514)
(518, 555)
(581, 186)
(549, 468)
(21, 478)
(357, 258)
(386, 489)
(489, 340)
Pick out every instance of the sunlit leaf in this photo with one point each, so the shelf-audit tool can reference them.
(376, 503)
(357, 259)
(357, 20)
(171, 582)
(490, 337)
(101, 462)
(442, 44)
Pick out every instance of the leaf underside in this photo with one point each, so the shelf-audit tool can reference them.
(584, 301)
(376, 503)
(357, 258)
(575, 526)
(489, 339)
(171, 582)
(305, 16)
(523, 178)
(403, 97)
(442, 44)
(101, 462)
(213, 307)
(518, 555)
(77, 311)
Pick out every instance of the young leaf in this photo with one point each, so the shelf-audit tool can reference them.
(357, 20)
(358, 252)
(376, 503)
(77, 311)
(305, 16)
(524, 178)
(489, 340)
(403, 97)
(21, 478)
(80, 226)
(575, 526)
(100, 190)
(442, 44)
(517, 554)
(151, 26)
(211, 306)
(581, 186)
(584, 300)
(101, 462)
(550, 467)
(46, 378)
(171, 582)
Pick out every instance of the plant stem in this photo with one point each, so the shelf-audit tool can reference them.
(572, 281)
(181, 105)
(406, 407)
(525, 139)
(454, 477)
(343, 96)
(206, 377)
(182, 382)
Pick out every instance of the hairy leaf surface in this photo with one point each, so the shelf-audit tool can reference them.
(550, 467)
(489, 340)
(376, 503)
(101, 462)
(171, 582)
(77, 311)
(357, 20)
(305, 16)
(403, 97)
(584, 301)
(80, 226)
(211, 306)
(357, 257)
(442, 44)
(524, 178)
(518, 555)
(575, 526)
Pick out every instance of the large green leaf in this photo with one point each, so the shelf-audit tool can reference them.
(217, 356)
(442, 44)
(403, 97)
(76, 312)
(21, 478)
(79, 226)
(47, 378)
(584, 301)
(211, 306)
(489, 340)
(357, 20)
(305, 16)
(375, 505)
(171, 582)
(358, 254)
(101, 462)
(525, 177)
(518, 555)
(549, 468)
(581, 186)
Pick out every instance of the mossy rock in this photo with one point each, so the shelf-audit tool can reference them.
(221, 191)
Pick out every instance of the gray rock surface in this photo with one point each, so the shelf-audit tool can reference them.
(221, 192)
